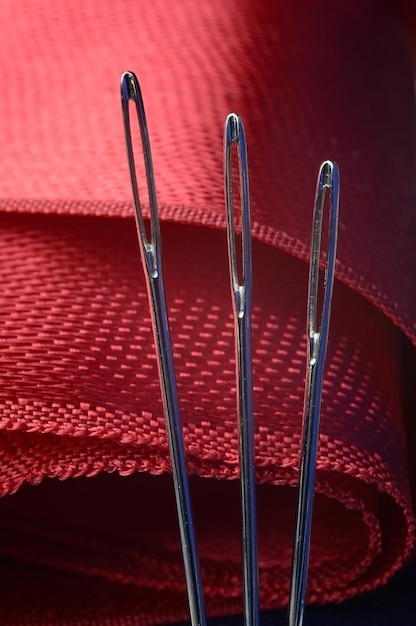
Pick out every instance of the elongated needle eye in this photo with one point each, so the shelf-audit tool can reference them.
(328, 181)
(234, 136)
(130, 92)
(152, 265)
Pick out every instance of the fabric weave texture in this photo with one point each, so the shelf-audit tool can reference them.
(80, 395)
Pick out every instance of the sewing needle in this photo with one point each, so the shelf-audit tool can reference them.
(234, 135)
(152, 265)
(328, 180)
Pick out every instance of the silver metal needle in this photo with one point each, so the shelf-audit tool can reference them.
(152, 265)
(241, 287)
(328, 180)
(241, 296)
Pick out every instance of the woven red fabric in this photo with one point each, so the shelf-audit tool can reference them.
(80, 394)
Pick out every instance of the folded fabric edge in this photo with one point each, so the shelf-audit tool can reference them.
(374, 293)
(376, 562)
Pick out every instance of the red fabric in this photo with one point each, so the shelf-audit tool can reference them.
(80, 395)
